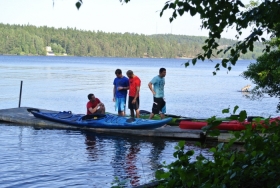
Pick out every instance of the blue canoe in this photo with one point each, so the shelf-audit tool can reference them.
(99, 120)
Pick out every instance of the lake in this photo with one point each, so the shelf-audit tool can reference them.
(33, 157)
(63, 83)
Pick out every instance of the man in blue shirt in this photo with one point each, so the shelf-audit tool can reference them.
(121, 85)
(156, 85)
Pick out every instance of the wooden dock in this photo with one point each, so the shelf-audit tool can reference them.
(22, 117)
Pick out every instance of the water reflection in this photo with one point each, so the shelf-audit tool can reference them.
(83, 158)
(246, 94)
(157, 146)
(118, 160)
(131, 167)
(90, 141)
(132, 158)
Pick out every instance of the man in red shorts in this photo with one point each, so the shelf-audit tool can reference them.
(134, 89)
(94, 106)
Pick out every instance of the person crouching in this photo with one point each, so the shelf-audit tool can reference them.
(94, 106)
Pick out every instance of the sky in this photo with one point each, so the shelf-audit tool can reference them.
(137, 16)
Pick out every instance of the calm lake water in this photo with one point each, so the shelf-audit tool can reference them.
(32, 157)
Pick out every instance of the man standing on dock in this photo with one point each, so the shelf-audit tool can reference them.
(121, 85)
(156, 85)
(133, 96)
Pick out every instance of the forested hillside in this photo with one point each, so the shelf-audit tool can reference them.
(32, 40)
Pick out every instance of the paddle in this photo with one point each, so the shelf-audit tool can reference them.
(145, 112)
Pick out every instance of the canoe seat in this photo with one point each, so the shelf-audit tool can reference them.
(93, 116)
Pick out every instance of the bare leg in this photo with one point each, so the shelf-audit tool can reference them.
(137, 113)
(103, 110)
(132, 113)
(121, 113)
(162, 116)
(151, 116)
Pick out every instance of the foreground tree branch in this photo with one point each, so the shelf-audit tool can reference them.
(219, 15)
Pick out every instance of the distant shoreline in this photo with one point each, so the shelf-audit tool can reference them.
(53, 42)
(185, 58)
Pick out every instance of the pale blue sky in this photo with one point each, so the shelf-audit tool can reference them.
(138, 16)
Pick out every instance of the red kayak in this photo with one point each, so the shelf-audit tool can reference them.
(232, 125)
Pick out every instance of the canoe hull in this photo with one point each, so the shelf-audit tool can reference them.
(100, 120)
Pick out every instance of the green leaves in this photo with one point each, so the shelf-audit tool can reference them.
(78, 4)
(160, 174)
(172, 5)
(194, 61)
(193, 11)
(242, 115)
(224, 63)
(163, 9)
(181, 12)
(224, 111)
(212, 133)
(265, 75)
(181, 144)
(251, 47)
(174, 14)
(229, 167)
(218, 16)
(235, 109)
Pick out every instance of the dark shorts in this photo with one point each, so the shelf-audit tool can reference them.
(99, 111)
(158, 106)
(134, 106)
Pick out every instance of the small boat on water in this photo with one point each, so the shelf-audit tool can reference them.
(99, 120)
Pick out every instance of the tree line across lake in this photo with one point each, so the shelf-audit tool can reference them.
(32, 40)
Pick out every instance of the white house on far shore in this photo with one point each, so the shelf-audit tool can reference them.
(49, 51)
